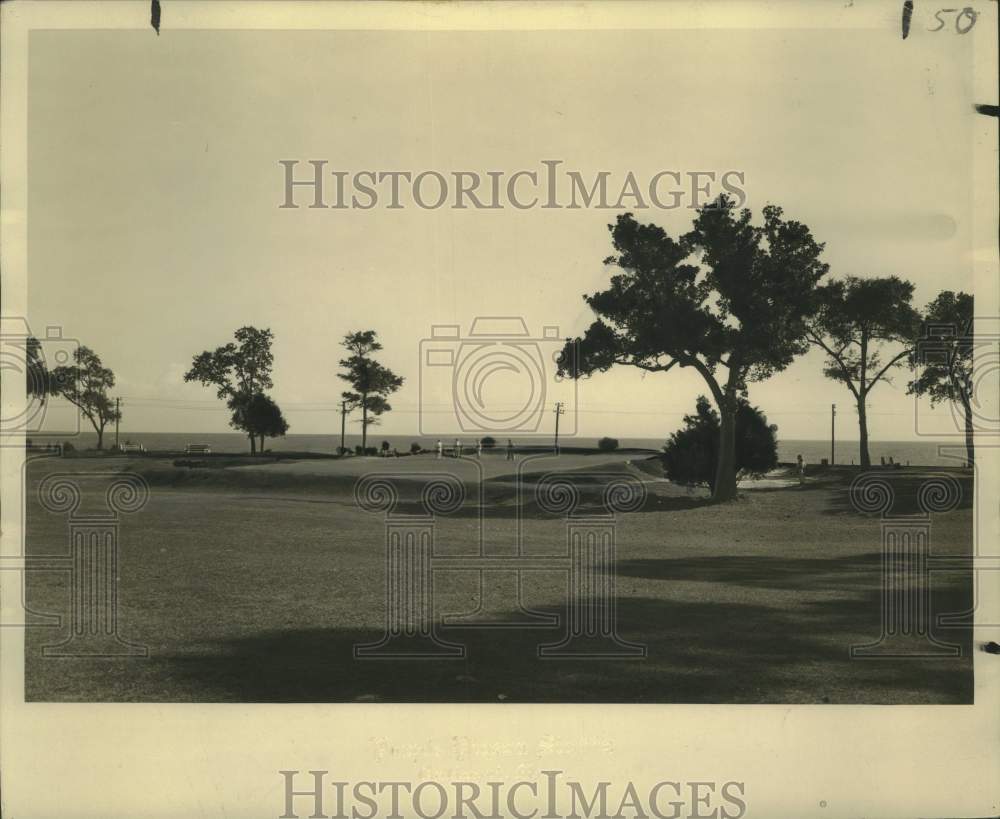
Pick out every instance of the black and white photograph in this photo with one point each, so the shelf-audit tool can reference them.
(450, 361)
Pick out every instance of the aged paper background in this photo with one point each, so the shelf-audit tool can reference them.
(222, 760)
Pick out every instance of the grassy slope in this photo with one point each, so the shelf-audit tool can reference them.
(255, 585)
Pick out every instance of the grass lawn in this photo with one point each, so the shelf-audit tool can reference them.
(254, 584)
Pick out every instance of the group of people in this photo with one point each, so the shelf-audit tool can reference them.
(457, 449)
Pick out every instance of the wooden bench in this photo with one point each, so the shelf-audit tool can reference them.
(198, 449)
(132, 448)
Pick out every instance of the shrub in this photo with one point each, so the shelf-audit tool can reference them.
(607, 444)
(68, 447)
(690, 455)
(488, 442)
(415, 448)
(342, 450)
(385, 446)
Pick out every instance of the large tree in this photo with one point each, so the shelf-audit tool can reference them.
(372, 383)
(867, 328)
(729, 299)
(238, 370)
(85, 383)
(943, 357)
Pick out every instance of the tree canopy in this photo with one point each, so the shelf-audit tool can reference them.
(239, 371)
(372, 382)
(943, 357)
(258, 415)
(858, 324)
(85, 383)
(730, 299)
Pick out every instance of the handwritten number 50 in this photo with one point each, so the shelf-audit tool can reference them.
(964, 19)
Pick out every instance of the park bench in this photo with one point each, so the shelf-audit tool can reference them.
(198, 449)
(132, 448)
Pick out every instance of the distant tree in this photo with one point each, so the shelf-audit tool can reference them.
(728, 294)
(85, 383)
(943, 355)
(415, 448)
(858, 324)
(386, 446)
(690, 455)
(488, 442)
(36, 372)
(372, 382)
(238, 370)
(259, 416)
(607, 444)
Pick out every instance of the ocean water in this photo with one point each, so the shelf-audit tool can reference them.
(916, 453)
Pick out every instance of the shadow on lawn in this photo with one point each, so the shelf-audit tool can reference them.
(905, 487)
(708, 652)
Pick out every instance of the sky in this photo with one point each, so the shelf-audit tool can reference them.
(154, 186)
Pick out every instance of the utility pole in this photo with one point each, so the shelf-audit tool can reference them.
(343, 423)
(118, 415)
(833, 430)
(558, 411)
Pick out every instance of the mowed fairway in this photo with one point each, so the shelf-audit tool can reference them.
(255, 583)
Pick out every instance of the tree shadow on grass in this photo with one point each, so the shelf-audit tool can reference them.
(905, 491)
(697, 652)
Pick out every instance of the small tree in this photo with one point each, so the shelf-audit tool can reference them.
(729, 299)
(372, 382)
(259, 416)
(488, 442)
(85, 383)
(858, 321)
(943, 355)
(238, 371)
(415, 448)
(690, 455)
(607, 444)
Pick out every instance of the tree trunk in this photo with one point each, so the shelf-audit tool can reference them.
(866, 460)
(253, 443)
(100, 436)
(725, 472)
(970, 451)
(262, 444)
(364, 425)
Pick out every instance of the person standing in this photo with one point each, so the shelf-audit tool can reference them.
(801, 470)
(479, 449)
(458, 448)
(440, 449)
(510, 450)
